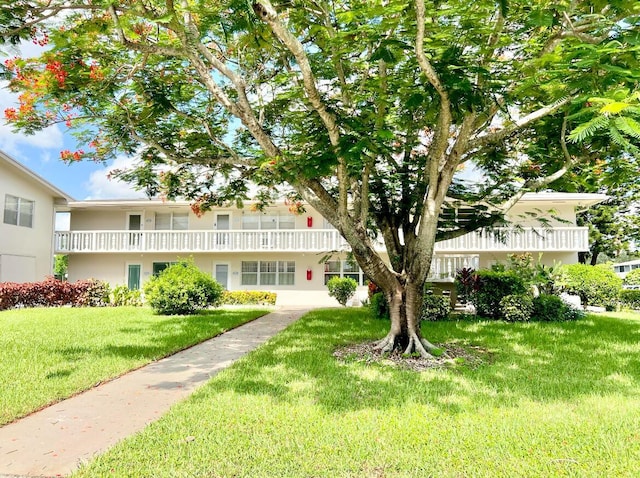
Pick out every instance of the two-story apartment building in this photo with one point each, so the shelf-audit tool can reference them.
(127, 241)
(26, 230)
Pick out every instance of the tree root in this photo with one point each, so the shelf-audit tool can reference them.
(387, 344)
(416, 345)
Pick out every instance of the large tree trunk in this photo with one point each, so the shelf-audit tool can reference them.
(405, 302)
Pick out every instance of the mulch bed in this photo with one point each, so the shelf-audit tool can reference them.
(454, 355)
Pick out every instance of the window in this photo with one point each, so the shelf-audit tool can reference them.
(343, 269)
(158, 267)
(176, 221)
(266, 222)
(18, 211)
(268, 273)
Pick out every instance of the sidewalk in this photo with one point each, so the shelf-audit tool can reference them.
(57, 439)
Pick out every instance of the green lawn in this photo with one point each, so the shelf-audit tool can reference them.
(550, 399)
(52, 353)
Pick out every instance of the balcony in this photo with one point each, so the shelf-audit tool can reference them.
(311, 240)
(308, 240)
(527, 239)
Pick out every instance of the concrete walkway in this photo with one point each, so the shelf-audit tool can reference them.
(56, 440)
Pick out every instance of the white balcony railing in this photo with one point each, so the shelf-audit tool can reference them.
(198, 241)
(308, 240)
(443, 268)
(526, 240)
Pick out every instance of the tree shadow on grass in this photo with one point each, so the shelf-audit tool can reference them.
(543, 362)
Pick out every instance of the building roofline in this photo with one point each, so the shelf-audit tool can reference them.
(32, 175)
(579, 199)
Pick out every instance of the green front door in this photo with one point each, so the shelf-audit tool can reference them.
(133, 277)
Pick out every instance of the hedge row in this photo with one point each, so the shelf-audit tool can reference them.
(54, 293)
(248, 297)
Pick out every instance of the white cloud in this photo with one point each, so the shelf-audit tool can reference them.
(101, 187)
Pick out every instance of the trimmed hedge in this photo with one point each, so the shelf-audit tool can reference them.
(182, 288)
(632, 278)
(435, 307)
(491, 286)
(342, 289)
(630, 298)
(54, 293)
(596, 285)
(516, 307)
(248, 297)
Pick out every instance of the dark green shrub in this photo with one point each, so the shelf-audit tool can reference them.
(342, 289)
(122, 295)
(516, 307)
(632, 278)
(182, 288)
(551, 308)
(379, 306)
(630, 297)
(248, 297)
(596, 285)
(435, 307)
(547, 307)
(491, 286)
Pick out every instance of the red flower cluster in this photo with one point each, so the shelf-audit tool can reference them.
(58, 71)
(67, 155)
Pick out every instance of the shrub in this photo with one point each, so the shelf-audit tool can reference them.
(248, 297)
(464, 282)
(632, 278)
(379, 306)
(630, 298)
(491, 286)
(596, 285)
(516, 307)
(182, 288)
(342, 289)
(92, 293)
(435, 307)
(54, 293)
(122, 295)
(551, 308)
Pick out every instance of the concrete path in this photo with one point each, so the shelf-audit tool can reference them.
(56, 440)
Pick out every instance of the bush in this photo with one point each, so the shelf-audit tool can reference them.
(630, 298)
(92, 293)
(435, 307)
(464, 282)
(54, 293)
(632, 278)
(248, 297)
(491, 286)
(551, 308)
(342, 289)
(516, 307)
(122, 295)
(379, 306)
(182, 288)
(596, 285)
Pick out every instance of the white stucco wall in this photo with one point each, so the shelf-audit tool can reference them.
(26, 254)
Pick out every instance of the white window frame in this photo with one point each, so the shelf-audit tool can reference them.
(172, 220)
(19, 213)
(279, 270)
(358, 275)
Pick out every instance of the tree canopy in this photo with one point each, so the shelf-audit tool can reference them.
(373, 112)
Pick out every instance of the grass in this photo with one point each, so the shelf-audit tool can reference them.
(52, 353)
(550, 399)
